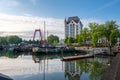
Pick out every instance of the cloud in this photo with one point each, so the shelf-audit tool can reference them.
(86, 21)
(8, 3)
(11, 24)
(24, 26)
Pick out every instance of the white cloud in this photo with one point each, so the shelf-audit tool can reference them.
(24, 26)
(11, 23)
(90, 20)
(8, 3)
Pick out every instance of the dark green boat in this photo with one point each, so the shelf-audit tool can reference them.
(52, 50)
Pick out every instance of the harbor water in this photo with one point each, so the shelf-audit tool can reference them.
(28, 66)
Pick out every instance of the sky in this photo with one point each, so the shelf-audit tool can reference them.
(22, 17)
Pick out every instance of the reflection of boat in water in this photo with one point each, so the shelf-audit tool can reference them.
(39, 58)
(52, 50)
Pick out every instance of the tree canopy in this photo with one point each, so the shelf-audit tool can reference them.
(108, 30)
(52, 39)
(13, 39)
(10, 39)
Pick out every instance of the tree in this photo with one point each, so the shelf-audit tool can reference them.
(3, 40)
(85, 33)
(69, 40)
(55, 42)
(13, 39)
(108, 27)
(95, 38)
(113, 36)
(79, 39)
(51, 39)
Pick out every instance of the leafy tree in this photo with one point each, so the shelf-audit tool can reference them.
(51, 39)
(113, 36)
(79, 39)
(13, 39)
(69, 40)
(3, 40)
(93, 27)
(85, 33)
(95, 38)
(98, 31)
(55, 42)
(109, 26)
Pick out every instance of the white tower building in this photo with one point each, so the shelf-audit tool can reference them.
(73, 26)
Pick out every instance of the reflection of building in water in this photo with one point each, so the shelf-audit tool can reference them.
(72, 70)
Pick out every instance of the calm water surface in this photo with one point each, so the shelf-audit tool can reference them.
(24, 66)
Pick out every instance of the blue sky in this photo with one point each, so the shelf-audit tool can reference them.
(102, 9)
(24, 15)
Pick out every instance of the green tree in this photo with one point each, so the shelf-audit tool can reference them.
(3, 40)
(93, 27)
(51, 39)
(13, 39)
(69, 40)
(79, 39)
(113, 36)
(109, 26)
(55, 42)
(85, 33)
(95, 39)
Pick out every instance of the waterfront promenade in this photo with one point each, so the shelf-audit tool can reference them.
(113, 71)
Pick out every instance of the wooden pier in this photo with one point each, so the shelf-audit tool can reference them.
(76, 57)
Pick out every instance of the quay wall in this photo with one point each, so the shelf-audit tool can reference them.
(113, 71)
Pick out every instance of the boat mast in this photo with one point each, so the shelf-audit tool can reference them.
(44, 34)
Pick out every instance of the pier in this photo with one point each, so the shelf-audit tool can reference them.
(76, 57)
(91, 53)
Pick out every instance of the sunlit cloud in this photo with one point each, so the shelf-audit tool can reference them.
(4, 4)
(11, 24)
(24, 26)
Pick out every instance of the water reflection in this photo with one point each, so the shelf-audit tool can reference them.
(26, 66)
(72, 70)
(86, 69)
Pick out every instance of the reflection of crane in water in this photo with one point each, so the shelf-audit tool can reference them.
(42, 67)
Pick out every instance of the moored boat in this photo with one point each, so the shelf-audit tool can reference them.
(52, 50)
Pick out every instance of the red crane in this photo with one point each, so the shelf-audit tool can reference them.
(37, 30)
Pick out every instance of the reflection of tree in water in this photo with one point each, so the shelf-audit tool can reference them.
(10, 54)
(95, 68)
(72, 70)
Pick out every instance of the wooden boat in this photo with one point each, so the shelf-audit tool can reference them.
(52, 50)
(4, 77)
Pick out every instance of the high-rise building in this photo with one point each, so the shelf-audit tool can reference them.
(73, 26)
